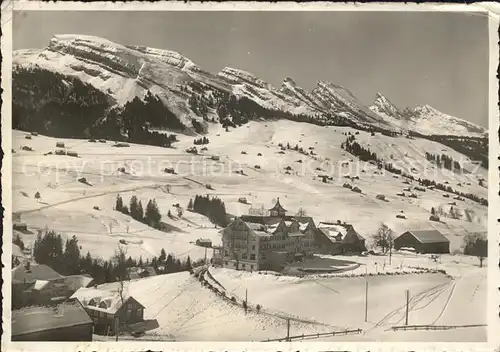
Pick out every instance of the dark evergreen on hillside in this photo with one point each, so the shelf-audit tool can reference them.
(213, 208)
(151, 216)
(444, 161)
(55, 104)
(364, 154)
(476, 148)
(67, 260)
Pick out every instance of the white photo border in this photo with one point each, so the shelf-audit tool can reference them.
(492, 10)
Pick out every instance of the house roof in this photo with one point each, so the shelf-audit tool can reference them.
(278, 207)
(332, 230)
(112, 300)
(36, 272)
(428, 236)
(35, 319)
(74, 282)
(204, 240)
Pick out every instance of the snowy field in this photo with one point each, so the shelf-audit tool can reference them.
(67, 205)
(186, 310)
(458, 298)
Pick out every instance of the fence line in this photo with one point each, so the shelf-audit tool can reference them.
(435, 327)
(317, 335)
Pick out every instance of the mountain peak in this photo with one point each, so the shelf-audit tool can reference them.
(384, 106)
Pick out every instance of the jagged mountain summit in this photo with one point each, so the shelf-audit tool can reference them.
(424, 119)
(101, 76)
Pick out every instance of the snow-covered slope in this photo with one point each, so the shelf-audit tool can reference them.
(126, 72)
(424, 119)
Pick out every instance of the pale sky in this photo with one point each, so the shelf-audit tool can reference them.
(439, 59)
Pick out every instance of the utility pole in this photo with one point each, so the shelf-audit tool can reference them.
(246, 300)
(110, 228)
(366, 297)
(288, 329)
(205, 255)
(407, 305)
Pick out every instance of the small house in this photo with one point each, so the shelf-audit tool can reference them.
(434, 218)
(204, 242)
(59, 144)
(102, 140)
(34, 134)
(169, 170)
(27, 136)
(424, 241)
(339, 238)
(259, 154)
(215, 158)
(110, 312)
(380, 197)
(27, 148)
(257, 167)
(242, 200)
(60, 152)
(356, 189)
(72, 153)
(67, 321)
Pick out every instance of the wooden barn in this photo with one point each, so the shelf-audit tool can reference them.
(67, 321)
(424, 241)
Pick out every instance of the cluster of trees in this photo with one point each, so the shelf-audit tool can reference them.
(200, 104)
(476, 245)
(67, 259)
(213, 208)
(201, 141)
(353, 147)
(444, 161)
(476, 148)
(55, 104)
(151, 216)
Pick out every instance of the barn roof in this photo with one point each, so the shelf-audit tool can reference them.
(428, 236)
(35, 319)
(111, 299)
(20, 274)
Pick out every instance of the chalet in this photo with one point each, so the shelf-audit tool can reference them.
(204, 242)
(37, 284)
(256, 242)
(68, 321)
(109, 312)
(339, 238)
(424, 241)
(135, 273)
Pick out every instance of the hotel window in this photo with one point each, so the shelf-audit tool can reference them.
(252, 256)
(253, 247)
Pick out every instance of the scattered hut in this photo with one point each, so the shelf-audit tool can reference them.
(59, 144)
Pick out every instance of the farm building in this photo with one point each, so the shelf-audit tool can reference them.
(37, 284)
(59, 144)
(337, 238)
(135, 273)
(204, 242)
(424, 241)
(108, 311)
(67, 321)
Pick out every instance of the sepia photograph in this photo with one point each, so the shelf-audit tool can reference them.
(240, 175)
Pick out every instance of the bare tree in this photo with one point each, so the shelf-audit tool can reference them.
(476, 245)
(121, 270)
(301, 212)
(384, 238)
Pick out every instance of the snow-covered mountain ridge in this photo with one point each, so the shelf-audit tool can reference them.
(125, 72)
(424, 119)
